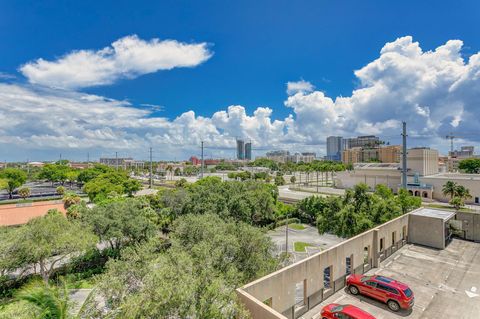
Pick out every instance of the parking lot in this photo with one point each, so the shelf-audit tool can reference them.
(308, 235)
(446, 283)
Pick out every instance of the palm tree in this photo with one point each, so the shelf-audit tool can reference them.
(450, 188)
(51, 302)
(462, 192)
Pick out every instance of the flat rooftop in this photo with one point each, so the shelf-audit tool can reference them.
(446, 283)
(454, 176)
(434, 213)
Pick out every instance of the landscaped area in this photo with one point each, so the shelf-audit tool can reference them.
(300, 246)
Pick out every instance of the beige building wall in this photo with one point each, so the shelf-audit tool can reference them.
(389, 154)
(470, 181)
(423, 161)
(352, 155)
(372, 177)
(435, 237)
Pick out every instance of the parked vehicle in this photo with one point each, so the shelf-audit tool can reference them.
(336, 311)
(395, 294)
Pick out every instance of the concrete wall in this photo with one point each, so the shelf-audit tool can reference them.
(470, 181)
(371, 177)
(470, 225)
(434, 237)
(280, 286)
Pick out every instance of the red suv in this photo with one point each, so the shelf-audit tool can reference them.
(334, 311)
(394, 293)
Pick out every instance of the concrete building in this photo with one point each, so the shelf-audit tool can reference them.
(422, 161)
(248, 151)
(352, 155)
(436, 222)
(334, 148)
(301, 158)
(297, 289)
(470, 181)
(368, 141)
(240, 149)
(465, 151)
(372, 174)
(122, 162)
(389, 154)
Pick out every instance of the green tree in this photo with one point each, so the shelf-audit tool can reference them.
(14, 178)
(279, 180)
(293, 179)
(100, 187)
(470, 165)
(48, 301)
(60, 190)
(48, 241)
(449, 189)
(24, 192)
(457, 202)
(191, 278)
(70, 199)
(181, 183)
(406, 201)
(121, 223)
(462, 192)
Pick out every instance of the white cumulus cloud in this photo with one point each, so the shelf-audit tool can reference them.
(127, 57)
(436, 92)
(299, 86)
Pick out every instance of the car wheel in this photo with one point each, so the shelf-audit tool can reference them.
(353, 290)
(393, 305)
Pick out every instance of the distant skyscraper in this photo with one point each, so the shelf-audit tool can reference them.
(334, 148)
(240, 149)
(248, 151)
(362, 141)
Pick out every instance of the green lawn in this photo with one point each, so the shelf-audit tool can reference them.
(299, 246)
(296, 226)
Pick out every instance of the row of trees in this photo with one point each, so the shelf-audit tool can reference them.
(355, 212)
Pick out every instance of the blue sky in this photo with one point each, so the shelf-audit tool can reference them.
(254, 48)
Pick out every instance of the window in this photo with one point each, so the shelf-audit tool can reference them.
(372, 284)
(477, 200)
(404, 232)
(394, 239)
(300, 293)
(387, 288)
(366, 255)
(327, 277)
(382, 243)
(348, 264)
(407, 292)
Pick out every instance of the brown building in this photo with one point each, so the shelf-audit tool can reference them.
(390, 154)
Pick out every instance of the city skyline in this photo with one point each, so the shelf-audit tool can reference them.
(123, 89)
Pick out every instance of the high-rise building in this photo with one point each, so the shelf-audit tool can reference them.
(334, 148)
(422, 161)
(389, 154)
(465, 151)
(248, 151)
(240, 149)
(362, 141)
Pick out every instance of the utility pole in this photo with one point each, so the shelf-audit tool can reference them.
(151, 169)
(60, 157)
(286, 238)
(404, 156)
(88, 157)
(201, 170)
(116, 161)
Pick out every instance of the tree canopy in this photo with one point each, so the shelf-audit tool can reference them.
(194, 278)
(12, 179)
(470, 165)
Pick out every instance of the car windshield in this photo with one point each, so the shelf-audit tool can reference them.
(407, 292)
